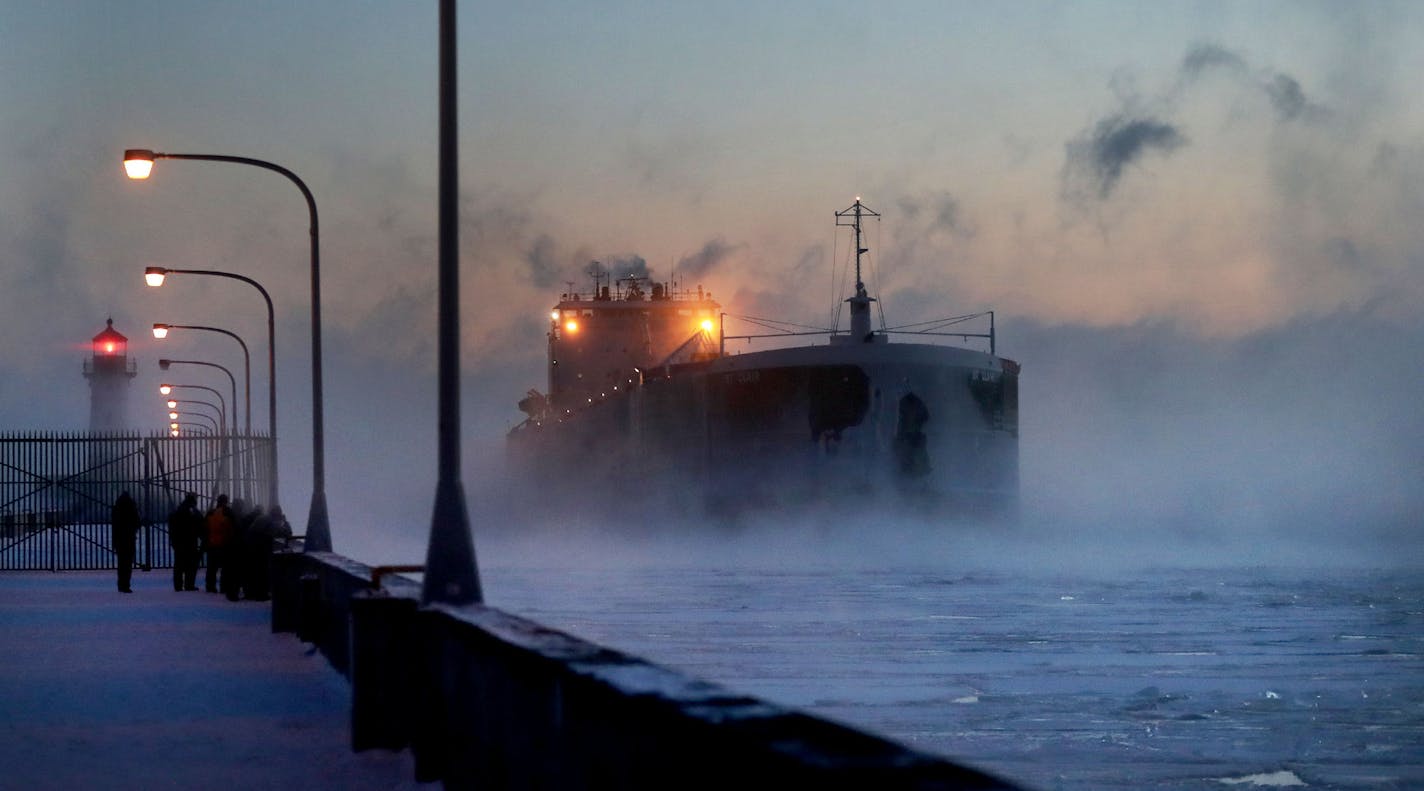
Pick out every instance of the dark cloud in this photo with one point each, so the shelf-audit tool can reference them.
(1345, 255)
(712, 254)
(940, 211)
(629, 265)
(542, 258)
(1210, 56)
(1286, 96)
(1285, 93)
(1100, 156)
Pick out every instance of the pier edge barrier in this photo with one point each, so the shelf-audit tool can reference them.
(489, 699)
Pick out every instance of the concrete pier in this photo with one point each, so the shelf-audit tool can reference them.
(160, 689)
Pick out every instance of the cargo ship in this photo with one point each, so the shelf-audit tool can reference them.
(644, 404)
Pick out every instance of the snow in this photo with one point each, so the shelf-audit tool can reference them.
(1279, 779)
(160, 689)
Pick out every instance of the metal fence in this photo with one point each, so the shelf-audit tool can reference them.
(56, 490)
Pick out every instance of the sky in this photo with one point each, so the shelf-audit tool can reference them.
(1198, 222)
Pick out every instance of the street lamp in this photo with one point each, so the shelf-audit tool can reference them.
(212, 423)
(161, 331)
(174, 404)
(155, 275)
(167, 389)
(451, 575)
(163, 364)
(138, 164)
(226, 442)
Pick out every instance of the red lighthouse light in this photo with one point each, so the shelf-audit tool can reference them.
(110, 343)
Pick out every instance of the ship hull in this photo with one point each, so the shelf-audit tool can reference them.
(926, 427)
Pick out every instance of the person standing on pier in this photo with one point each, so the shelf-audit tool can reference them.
(124, 522)
(219, 534)
(185, 528)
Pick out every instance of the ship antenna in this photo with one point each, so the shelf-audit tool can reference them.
(860, 303)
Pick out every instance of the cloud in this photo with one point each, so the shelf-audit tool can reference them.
(1211, 56)
(1099, 156)
(544, 267)
(1284, 92)
(627, 265)
(702, 262)
(1286, 96)
(940, 211)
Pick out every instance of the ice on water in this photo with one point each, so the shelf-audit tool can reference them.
(1170, 678)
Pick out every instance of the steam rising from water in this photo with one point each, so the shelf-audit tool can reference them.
(1141, 447)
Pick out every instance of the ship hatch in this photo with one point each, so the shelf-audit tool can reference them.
(839, 397)
(911, 450)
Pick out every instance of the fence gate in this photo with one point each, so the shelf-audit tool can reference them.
(56, 490)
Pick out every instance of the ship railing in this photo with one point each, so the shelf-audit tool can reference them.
(780, 329)
(935, 328)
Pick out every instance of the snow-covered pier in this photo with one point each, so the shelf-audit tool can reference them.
(166, 689)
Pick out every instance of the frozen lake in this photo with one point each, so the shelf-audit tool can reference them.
(1178, 678)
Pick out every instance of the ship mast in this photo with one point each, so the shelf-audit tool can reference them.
(860, 331)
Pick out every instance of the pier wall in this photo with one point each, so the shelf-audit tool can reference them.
(486, 699)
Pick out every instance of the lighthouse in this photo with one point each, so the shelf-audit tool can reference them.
(109, 371)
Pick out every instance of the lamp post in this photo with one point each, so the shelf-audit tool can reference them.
(232, 380)
(161, 330)
(174, 402)
(155, 275)
(163, 364)
(451, 575)
(167, 389)
(138, 164)
(211, 424)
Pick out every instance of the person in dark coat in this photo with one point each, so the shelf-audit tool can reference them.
(124, 522)
(235, 572)
(266, 531)
(185, 529)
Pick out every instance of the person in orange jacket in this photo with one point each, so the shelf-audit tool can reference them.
(218, 529)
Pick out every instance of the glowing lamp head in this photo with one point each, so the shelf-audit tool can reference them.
(173, 426)
(554, 316)
(138, 163)
(571, 326)
(172, 432)
(165, 389)
(160, 330)
(172, 415)
(707, 325)
(153, 275)
(172, 404)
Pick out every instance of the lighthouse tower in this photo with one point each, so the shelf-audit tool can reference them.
(109, 371)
